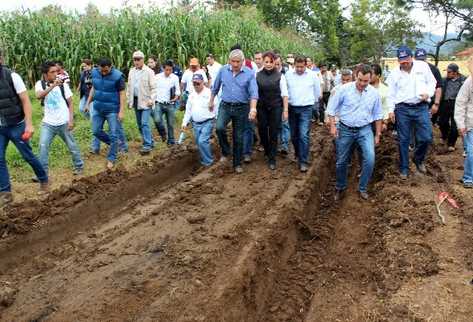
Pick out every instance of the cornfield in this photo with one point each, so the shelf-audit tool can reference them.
(29, 38)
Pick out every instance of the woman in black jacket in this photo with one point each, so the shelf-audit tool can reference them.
(272, 106)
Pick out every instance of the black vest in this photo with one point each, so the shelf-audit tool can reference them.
(11, 109)
(269, 89)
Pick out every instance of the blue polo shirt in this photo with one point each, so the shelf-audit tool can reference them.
(240, 88)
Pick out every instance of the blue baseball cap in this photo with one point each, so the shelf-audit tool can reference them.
(421, 54)
(403, 53)
(197, 77)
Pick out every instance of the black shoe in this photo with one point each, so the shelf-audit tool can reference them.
(339, 195)
(364, 195)
(145, 151)
(284, 152)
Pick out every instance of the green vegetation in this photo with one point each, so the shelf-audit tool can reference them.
(30, 38)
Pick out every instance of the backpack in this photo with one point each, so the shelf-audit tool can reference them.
(61, 87)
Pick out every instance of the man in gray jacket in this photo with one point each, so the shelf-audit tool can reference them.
(141, 96)
(464, 120)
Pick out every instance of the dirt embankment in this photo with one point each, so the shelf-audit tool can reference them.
(173, 244)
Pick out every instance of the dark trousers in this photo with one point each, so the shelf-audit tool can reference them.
(269, 123)
(238, 115)
(323, 107)
(447, 124)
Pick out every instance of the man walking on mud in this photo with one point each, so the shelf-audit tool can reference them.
(410, 88)
(358, 105)
(239, 97)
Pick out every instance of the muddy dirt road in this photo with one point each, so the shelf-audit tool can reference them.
(174, 243)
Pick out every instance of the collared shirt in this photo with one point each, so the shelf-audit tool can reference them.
(303, 89)
(355, 108)
(165, 85)
(407, 87)
(452, 87)
(383, 92)
(187, 79)
(197, 107)
(136, 85)
(464, 105)
(213, 70)
(239, 88)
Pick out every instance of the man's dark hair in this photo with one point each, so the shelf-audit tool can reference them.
(46, 66)
(59, 63)
(277, 51)
(153, 57)
(258, 52)
(234, 47)
(87, 61)
(377, 70)
(104, 62)
(322, 65)
(300, 59)
(364, 69)
(169, 63)
(209, 55)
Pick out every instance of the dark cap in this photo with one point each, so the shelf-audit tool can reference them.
(403, 53)
(453, 67)
(197, 77)
(421, 54)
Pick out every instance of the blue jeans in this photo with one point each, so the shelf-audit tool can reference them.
(299, 122)
(158, 122)
(316, 111)
(111, 138)
(122, 142)
(248, 137)
(406, 118)
(168, 111)
(48, 133)
(284, 135)
(82, 104)
(347, 138)
(238, 115)
(13, 133)
(202, 134)
(142, 120)
(95, 144)
(468, 165)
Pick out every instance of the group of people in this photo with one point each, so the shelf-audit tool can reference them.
(279, 98)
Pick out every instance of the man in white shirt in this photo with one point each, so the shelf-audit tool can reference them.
(202, 119)
(186, 81)
(409, 90)
(167, 93)
(304, 90)
(16, 126)
(327, 84)
(56, 97)
(213, 67)
(259, 60)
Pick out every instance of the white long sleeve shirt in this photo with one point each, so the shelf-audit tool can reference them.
(197, 107)
(303, 89)
(164, 86)
(404, 87)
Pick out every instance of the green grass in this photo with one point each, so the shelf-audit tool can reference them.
(59, 156)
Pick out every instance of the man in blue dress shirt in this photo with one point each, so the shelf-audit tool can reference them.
(239, 97)
(357, 105)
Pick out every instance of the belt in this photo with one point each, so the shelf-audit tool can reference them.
(207, 120)
(165, 103)
(353, 127)
(301, 106)
(234, 104)
(413, 104)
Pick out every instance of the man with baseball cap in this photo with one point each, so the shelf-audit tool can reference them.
(201, 117)
(410, 88)
(450, 87)
(186, 82)
(141, 96)
(421, 54)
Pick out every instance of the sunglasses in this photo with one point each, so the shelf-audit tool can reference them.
(197, 83)
(137, 59)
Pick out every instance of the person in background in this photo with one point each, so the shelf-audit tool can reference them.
(346, 77)
(213, 67)
(238, 86)
(357, 105)
(16, 125)
(327, 85)
(337, 79)
(450, 87)
(202, 119)
(62, 74)
(376, 82)
(272, 104)
(56, 97)
(141, 95)
(259, 60)
(186, 81)
(285, 130)
(316, 108)
(410, 88)
(153, 63)
(434, 104)
(109, 96)
(85, 84)
(167, 94)
(463, 113)
(304, 90)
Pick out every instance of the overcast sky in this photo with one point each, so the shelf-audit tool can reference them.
(106, 5)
